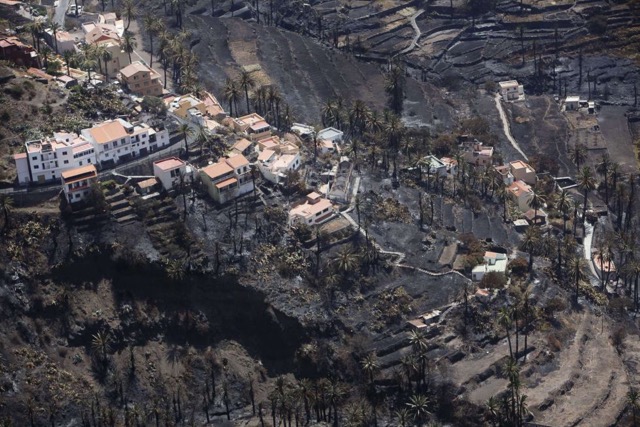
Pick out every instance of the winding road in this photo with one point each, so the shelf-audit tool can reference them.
(414, 42)
(505, 127)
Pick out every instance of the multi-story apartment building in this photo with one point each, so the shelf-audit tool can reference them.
(104, 144)
(118, 140)
(141, 80)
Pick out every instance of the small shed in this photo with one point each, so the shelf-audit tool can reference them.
(572, 103)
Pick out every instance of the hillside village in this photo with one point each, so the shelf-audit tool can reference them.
(178, 253)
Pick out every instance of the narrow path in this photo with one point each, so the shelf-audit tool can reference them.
(505, 127)
(587, 252)
(399, 256)
(414, 42)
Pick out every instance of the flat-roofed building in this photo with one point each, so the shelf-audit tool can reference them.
(169, 171)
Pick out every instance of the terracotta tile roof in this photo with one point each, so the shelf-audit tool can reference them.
(226, 182)
(266, 155)
(169, 164)
(108, 131)
(519, 188)
(217, 170)
(77, 174)
(307, 210)
(134, 68)
(147, 183)
(237, 161)
(241, 144)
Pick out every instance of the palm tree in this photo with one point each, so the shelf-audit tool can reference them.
(577, 271)
(369, 366)
(232, 94)
(603, 168)
(586, 182)
(89, 63)
(69, 56)
(503, 196)
(152, 24)
(329, 113)
(129, 12)
(106, 56)
(186, 132)
(578, 154)
(418, 406)
(54, 30)
(246, 82)
(633, 400)
(346, 261)
(530, 243)
(492, 407)
(6, 204)
(128, 43)
(504, 319)
(394, 86)
(101, 344)
(563, 204)
(403, 416)
(536, 202)
(45, 52)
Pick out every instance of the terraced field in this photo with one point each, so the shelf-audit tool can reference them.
(306, 72)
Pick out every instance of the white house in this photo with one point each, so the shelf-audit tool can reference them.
(45, 159)
(76, 183)
(315, 210)
(521, 193)
(118, 140)
(476, 153)
(168, 171)
(523, 172)
(450, 164)
(505, 174)
(228, 178)
(114, 140)
(274, 167)
(572, 103)
(331, 134)
(254, 125)
(493, 263)
(433, 166)
(511, 90)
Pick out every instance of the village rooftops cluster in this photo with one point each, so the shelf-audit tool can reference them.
(205, 111)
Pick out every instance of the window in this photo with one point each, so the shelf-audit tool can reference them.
(66, 162)
(36, 167)
(122, 141)
(34, 157)
(80, 162)
(64, 153)
(88, 160)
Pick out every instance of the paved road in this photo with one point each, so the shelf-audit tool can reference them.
(60, 11)
(505, 127)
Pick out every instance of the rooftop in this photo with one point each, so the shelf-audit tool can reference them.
(134, 68)
(266, 155)
(508, 84)
(519, 164)
(147, 183)
(226, 182)
(169, 164)
(217, 170)
(307, 210)
(237, 161)
(519, 188)
(241, 144)
(77, 174)
(108, 131)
